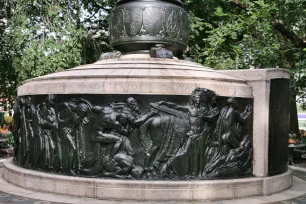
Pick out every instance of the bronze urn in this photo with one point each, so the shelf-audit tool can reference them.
(139, 25)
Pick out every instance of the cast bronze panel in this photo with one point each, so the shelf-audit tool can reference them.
(201, 136)
(147, 23)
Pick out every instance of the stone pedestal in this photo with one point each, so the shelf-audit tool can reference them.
(260, 81)
(147, 126)
(99, 100)
(112, 189)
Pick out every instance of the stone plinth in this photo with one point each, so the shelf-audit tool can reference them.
(260, 81)
(111, 189)
(155, 137)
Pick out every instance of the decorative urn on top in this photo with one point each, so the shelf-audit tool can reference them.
(139, 25)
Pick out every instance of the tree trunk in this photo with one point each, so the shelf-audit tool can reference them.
(294, 124)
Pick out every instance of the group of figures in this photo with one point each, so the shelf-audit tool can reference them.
(196, 140)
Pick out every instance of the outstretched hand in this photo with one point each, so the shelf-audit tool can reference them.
(249, 108)
(154, 111)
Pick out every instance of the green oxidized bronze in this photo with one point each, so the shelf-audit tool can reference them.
(139, 25)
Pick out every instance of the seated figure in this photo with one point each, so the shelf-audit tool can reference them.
(238, 162)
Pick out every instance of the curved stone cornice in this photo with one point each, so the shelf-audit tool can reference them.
(136, 76)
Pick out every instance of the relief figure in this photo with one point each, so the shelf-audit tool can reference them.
(189, 160)
(187, 137)
(162, 136)
(18, 119)
(138, 131)
(114, 154)
(141, 127)
(46, 135)
(238, 163)
(73, 115)
(28, 114)
(228, 132)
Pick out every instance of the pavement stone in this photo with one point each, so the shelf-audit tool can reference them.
(6, 198)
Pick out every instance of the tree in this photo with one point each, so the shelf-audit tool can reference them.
(44, 36)
(49, 35)
(8, 76)
(239, 34)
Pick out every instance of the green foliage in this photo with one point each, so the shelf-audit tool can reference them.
(47, 37)
(242, 34)
(235, 38)
(9, 143)
(44, 36)
(8, 75)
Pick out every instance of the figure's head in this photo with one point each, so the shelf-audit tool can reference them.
(50, 99)
(214, 100)
(132, 103)
(44, 105)
(20, 101)
(246, 142)
(82, 109)
(201, 95)
(232, 102)
(122, 118)
(196, 98)
(137, 172)
(28, 100)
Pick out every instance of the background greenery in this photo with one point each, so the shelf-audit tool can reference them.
(38, 37)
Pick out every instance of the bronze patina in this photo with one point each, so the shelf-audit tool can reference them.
(135, 136)
(139, 25)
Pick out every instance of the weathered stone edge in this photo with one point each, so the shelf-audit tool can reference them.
(111, 189)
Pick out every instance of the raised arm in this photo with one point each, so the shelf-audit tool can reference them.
(144, 118)
(213, 115)
(104, 137)
(62, 106)
(244, 115)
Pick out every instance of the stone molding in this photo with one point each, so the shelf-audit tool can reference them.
(110, 189)
(252, 75)
(107, 85)
(136, 76)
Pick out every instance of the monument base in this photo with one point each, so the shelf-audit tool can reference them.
(114, 189)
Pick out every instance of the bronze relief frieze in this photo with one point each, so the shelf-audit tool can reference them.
(201, 136)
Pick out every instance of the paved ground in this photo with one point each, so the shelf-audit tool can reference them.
(10, 194)
(6, 198)
(300, 199)
(9, 198)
